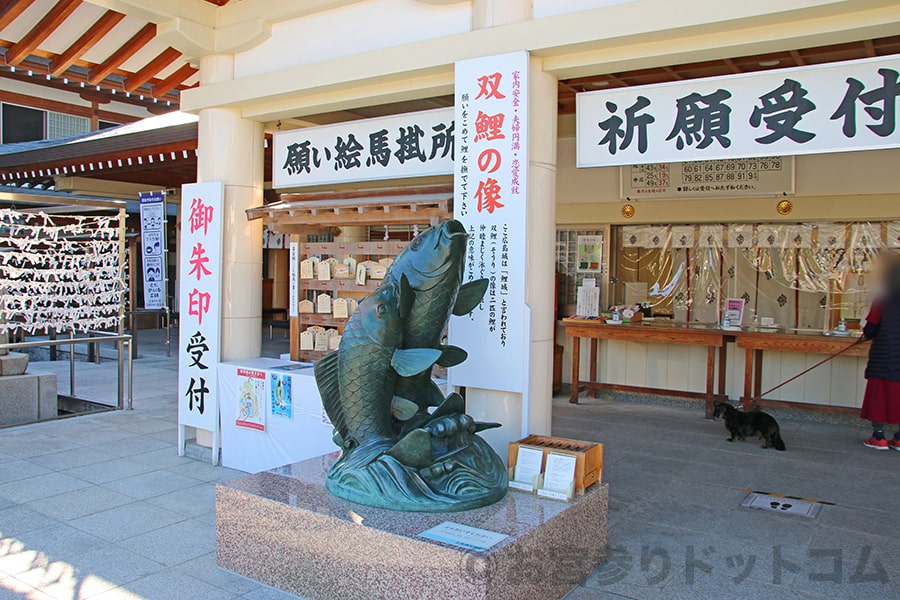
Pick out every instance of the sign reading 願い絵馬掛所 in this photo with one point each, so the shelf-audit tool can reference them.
(491, 201)
(835, 107)
(417, 144)
(199, 308)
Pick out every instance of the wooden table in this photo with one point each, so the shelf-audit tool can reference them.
(754, 343)
(713, 339)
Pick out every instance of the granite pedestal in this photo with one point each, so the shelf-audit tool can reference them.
(26, 398)
(283, 528)
(13, 363)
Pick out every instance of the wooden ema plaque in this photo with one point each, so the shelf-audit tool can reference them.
(588, 456)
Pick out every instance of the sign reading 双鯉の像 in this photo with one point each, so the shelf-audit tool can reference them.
(199, 309)
(834, 107)
(153, 248)
(415, 144)
(491, 202)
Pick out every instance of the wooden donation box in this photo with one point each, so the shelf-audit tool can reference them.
(588, 456)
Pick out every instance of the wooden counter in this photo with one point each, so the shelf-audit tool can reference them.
(595, 330)
(754, 342)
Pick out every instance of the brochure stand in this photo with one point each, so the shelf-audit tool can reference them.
(525, 474)
(558, 480)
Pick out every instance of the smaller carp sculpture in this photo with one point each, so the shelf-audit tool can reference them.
(404, 446)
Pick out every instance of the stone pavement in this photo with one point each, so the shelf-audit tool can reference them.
(101, 506)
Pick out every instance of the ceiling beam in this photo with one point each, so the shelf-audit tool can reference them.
(166, 58)
(798, 58)
(173, 80)
(673, 73)
(55, 17)
(11, 9)
(87, 41)
(870, 48)
(72, 82)
(733, 66)
(128, 49)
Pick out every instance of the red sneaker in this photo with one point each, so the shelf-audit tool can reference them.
(881, 444)
(894, 444)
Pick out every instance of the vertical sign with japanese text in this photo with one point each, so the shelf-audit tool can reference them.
(490, 200)
(834, 107)
(153, 248)
(294, 276)
(200, 308)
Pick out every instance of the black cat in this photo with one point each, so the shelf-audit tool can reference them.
(741, 424)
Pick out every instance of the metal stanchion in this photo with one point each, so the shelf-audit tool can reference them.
(72, 365)
(130, 378)
(168, 333)
(120, 381)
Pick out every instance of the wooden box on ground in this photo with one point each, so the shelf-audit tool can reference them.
(588, 456)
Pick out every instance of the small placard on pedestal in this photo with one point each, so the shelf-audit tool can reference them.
(588, 456)
(525, 474)
(558, 482)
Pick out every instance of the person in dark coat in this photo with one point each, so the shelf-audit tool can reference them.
(881, 403)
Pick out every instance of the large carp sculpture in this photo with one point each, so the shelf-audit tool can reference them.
(404, 446)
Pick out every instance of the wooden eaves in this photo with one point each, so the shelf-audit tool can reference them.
(298, 213)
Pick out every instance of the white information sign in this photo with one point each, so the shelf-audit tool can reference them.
(529, 461)
(294, 291)
(560, 471)
(415, 144)
(153, 248)
(766, 176)
(464, 536)
(835, 107)
(200, 308)
(490, 195)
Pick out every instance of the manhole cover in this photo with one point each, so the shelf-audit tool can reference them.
(783, 504)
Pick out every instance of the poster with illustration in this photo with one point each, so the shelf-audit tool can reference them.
(590, 253)
(252, 394)
(280, 392)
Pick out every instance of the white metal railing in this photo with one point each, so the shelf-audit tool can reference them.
(123, 343)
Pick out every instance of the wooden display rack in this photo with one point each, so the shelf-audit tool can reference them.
(345, 287)
(588, 456)
(301, 214)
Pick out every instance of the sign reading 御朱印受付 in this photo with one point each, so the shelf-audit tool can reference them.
(199, 308)
(417, 144)
(835, 107)
(490, 200)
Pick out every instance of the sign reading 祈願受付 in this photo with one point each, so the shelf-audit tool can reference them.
(491, 202)
(414, 144)
(199, 309)
(153, 248)
(835, 107)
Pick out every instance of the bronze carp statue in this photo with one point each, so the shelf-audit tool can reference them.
(404, 445)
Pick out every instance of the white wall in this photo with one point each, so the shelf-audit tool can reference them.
(551, 8)
(844, 174)
(353, 29)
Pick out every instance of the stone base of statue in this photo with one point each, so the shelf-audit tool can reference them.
(13, 363)
(27, 397)
(283, 528)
